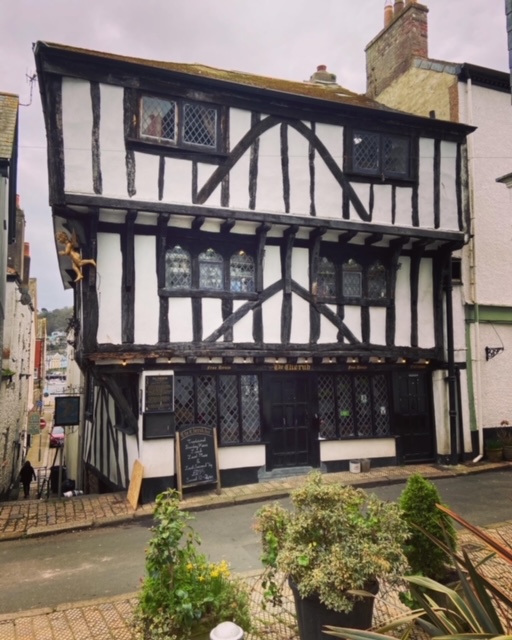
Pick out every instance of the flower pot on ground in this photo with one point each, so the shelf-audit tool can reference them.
(505, 437)
(184, 596)
(334, 544)
(494, 450)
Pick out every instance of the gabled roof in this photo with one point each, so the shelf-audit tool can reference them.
(330, 92)
(8, 118)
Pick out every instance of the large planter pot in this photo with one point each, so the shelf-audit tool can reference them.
(494, 455)
(507, 451)
(312, 615)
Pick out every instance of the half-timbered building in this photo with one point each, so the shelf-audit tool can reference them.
(277, 252)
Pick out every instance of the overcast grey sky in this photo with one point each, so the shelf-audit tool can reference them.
(280, 38)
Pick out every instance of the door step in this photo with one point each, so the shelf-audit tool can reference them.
(285, 472)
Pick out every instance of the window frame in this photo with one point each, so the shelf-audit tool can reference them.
(179, 143)
(380, 174)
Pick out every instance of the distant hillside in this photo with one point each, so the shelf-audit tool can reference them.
(56, 320)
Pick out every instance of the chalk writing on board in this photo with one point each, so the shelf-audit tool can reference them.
(197, 452)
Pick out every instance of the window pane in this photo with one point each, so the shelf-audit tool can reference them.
(158, 118)
(200, 125)
(345, 412)
(380, 406)
(241, 272)
(395, 155)
(177, 269)
(206, 402)
(363, 406)
(327, 406)
(251, 427)
(377, 281)
(228, 401)
(365, 151)
(211, 273)
(326, 279)
(184, 400)
(352, 279)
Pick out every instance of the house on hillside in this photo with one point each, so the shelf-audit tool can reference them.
(280, 252)
(401, 75)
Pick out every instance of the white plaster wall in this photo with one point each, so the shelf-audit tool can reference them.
(426, 184)
(378, 325)
(300, 267)
(403, 303)
(328, 330)
(464, 410)
(328, 195)
(241, 457)
(353, 320)
(157, 456)
(272, 270)
(495, 397)
(271, 311)
(403, 214)
(298, 164)
(109, 286)
(382, 203)
(146, 176)
(331, 450)
(180, 319)
(212, 315)
(77, 134)
(147, 304)
(204, 172)
(112, 147)
(442, 419)
(363, 193)
(426, 336)
(300, 320)
(449, 216)
(269, 193)
(242, 331)
(239, 125)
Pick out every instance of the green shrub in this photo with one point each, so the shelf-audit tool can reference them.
(183, 593)
(418, 504)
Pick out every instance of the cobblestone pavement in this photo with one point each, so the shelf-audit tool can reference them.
(102, 619)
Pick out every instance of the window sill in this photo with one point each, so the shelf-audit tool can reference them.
(206, 293)
(205, 154)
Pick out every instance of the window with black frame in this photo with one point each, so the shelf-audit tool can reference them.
(229, 402)
(352, 280)
(378, 154)
(353, 406)
(220, 268)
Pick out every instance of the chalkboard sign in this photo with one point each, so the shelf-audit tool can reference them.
(159, 393)
(197, 456)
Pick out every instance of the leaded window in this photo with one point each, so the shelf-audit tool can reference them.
(326, 278)
(178, 269)
(241, 272)
(158, 118)
(377, 282)
(383, 155)
(200, 125)
(229, 402)
(352, 279)
(211, 270)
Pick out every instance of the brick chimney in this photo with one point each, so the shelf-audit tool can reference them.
(390, 53)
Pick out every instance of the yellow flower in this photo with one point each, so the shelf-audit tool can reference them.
(215, 573)
(201, 578)
(190, 566)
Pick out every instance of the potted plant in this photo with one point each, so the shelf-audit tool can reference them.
(333, 547)
(184, 596)
(494, 449)
(505, 436)
(418, 502)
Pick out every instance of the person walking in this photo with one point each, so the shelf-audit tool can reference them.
(27, 473)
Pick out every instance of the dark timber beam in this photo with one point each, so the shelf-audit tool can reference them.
(373, 239)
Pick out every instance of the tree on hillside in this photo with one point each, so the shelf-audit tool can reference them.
(56, 320)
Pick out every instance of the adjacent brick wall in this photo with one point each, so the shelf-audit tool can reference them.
(390, 54)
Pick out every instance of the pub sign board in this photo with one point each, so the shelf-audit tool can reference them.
(197, 456)
(67, 411)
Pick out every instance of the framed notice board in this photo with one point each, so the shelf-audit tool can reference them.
(197, 456)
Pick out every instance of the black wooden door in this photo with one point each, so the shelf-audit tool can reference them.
(413, 421)
(288, 410)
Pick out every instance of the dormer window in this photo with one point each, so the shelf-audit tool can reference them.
(376, 154)
(180, 123)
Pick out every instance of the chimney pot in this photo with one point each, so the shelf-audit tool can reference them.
(321, 67)
(399, 6)
(323, 76)
(388, 12)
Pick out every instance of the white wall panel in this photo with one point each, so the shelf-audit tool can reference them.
(147, 302)
(177, 180)
(180, 319)
(426, 184)
(242, 331)
(241, 457)
(272, 267)
(77, 134)
(355, 449)
(328, 330)
(426, 336)
(269, 194)
(298, 163)
(272, 319)
(300, 320)
(403, 213)
(382, 204)
(328, 194)
(378, 325)
(146, 176)
(353, 320)
(363, 193)
(300, 267)
(204, 171)
(112, 147)
(403, 303)
(109, 286)
(449, 217)
(157, 456)
(211, 314)
(239, 125)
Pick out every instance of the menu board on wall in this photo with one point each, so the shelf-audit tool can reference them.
(197, 459)
(159, 393)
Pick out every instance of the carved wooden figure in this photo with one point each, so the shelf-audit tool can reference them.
(72, 249)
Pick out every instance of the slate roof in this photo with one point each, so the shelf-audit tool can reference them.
(8, 117)
(329, 92)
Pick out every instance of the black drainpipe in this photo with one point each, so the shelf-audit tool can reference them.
(452, 379)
